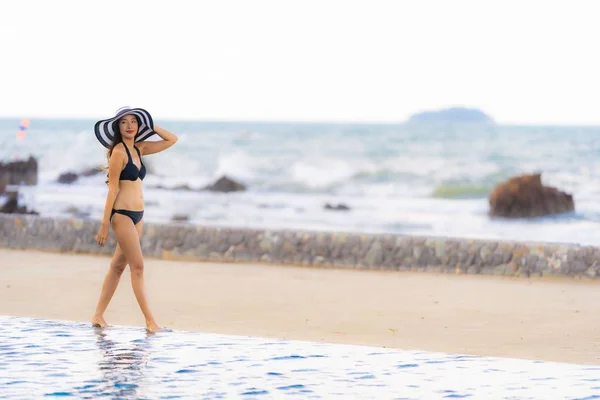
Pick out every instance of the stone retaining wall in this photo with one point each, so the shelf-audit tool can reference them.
(323, 249)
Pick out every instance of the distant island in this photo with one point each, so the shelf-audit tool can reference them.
(452, 114)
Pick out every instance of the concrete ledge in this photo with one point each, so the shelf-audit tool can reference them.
(323, 249)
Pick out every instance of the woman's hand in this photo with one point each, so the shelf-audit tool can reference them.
(102, 234)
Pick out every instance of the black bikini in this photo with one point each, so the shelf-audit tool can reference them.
(131, 173)
(136, 216)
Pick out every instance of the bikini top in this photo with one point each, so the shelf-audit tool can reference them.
(131, 171)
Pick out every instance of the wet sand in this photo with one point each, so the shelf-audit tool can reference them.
(547, 319)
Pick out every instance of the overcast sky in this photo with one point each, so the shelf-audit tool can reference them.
(521, 61)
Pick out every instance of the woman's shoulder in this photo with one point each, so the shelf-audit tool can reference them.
(119, 148)
(118, 152)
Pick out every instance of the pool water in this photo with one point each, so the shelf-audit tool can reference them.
(60, 358)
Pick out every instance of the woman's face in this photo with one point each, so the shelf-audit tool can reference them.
(128, 126)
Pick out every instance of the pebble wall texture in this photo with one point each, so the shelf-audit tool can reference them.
(320, 249)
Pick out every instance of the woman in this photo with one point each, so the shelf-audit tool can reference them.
(123, 136)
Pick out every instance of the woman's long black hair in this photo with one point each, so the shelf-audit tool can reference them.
(118, 139)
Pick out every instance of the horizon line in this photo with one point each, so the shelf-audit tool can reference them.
(310, 122)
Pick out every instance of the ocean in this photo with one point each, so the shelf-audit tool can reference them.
(54, 358)
(418, 179)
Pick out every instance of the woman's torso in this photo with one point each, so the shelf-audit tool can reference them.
(131, 193)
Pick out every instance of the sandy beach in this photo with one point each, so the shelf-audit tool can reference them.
(547, 319)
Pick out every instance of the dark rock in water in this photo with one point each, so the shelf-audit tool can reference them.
(93, 171)
(182, 187)
(224, 184)
(525, 197)
(339, 207)
(178, 187)
(11, 205)
(70, 177)
(180, 218)
(452, 114)
(4, 180)
(19, 172)
(67, 177)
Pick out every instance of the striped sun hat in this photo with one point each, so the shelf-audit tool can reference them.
(105, 129)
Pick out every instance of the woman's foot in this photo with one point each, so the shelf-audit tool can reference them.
(152, 327)
(99, 322)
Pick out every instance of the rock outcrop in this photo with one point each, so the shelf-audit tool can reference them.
(70, 176)
(525, 197)
(225, 184)
(93, 171)
(19, 172)
(3, 183)
(452, 115)
(338, 207)
(9, 204)
(67, 177)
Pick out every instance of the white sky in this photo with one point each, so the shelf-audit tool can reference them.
(521, 61)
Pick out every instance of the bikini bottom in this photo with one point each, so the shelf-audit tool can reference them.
(136, 216)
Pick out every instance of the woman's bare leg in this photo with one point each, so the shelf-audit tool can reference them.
(111, 281)
(128, 236)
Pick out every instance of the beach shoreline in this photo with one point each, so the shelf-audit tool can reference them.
(532, 318)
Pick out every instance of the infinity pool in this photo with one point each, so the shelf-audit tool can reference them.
(58, 358)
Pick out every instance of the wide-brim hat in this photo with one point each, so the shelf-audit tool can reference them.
(105, 129)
